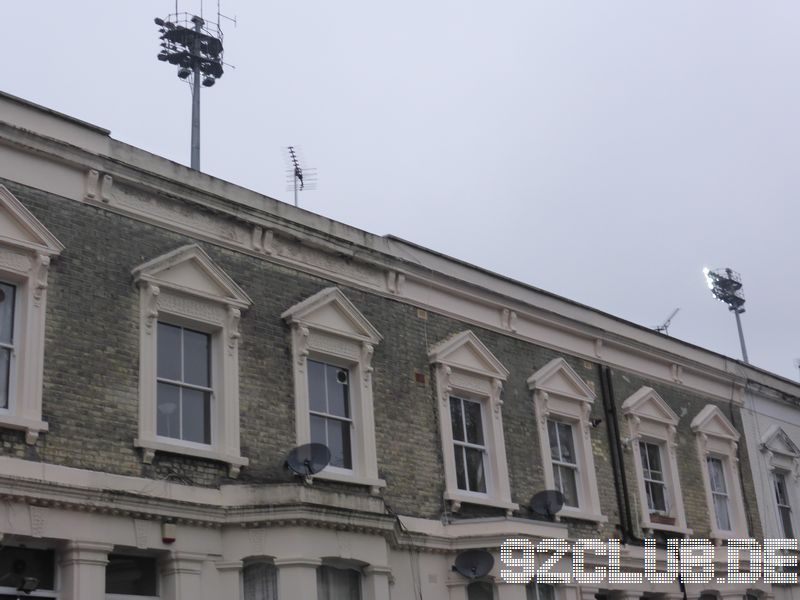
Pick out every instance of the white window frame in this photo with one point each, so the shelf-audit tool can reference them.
(329, 328)
(560, 394)
(717, 438)
(465, 368)
(184, 287)
(781, 455)
(650, 419)
(784, 475)
(557, 465)
(464, 444)
(25, 254)
(649, 480)
(716, 494)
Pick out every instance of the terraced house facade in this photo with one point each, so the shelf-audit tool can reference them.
(167, 339)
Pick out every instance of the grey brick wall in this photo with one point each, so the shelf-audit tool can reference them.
(91, 377)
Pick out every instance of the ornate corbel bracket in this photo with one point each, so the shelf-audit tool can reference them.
(366, 360)
(150, 305)
(41, 269)
(234, 316)
(302, 345)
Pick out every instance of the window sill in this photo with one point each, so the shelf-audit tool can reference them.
(31, 427)
(150, 447)
(650, 526)
(577, 513)
(457, 498)
(343, 477)
(722, 536)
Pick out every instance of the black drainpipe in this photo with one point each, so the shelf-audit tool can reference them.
(617, 460)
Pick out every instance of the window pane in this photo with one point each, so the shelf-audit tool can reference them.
(480, 590)
(35, 563)
(196, 356)
(456, 419)
(260, 582)
(5, 375)
(568, 485)
(461, 471)
(546, 592)
(555, 451)
(132, 575)
(168, 419)
(786, 521)
(474, 425)
(339, 443)
(654, 457)
(656, 499)
(195, 416)
(336, 380)
(316, 386)
(780, 489)
(721, 511)
(567, 444)
(475, 472)
(318, 432)
(716, 475)
(643, 456)
(169, 352)
(338, 584)
(7, 298)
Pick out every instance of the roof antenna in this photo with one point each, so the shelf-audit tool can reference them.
(298, 178)
(194, 45)
(664, 327)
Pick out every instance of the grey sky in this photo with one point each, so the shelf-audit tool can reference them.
(604, 151)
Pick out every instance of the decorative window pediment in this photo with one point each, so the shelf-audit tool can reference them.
(563, 404)
(189, 404)
(332, 346)
(190, 270)
(717, 444)
(330, 310)
(26, 247)
(778, 442)
(558, 378)
(647, 404)
(711, 421)
(469, 382)
(466, 352)
(652, 427)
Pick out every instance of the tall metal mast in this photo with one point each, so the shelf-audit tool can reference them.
(188, 42)
(726, 285)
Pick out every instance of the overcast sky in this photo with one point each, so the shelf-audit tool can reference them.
(604, 151)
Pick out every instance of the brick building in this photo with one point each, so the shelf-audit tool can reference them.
(167, 338)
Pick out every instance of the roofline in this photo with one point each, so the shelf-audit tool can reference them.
(55, 113)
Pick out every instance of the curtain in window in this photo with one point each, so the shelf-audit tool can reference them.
(338, 584)
(260, 582)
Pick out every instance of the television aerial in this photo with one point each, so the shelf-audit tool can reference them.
(308, 460)
(664, 327)
(547, 503)
(473, 564)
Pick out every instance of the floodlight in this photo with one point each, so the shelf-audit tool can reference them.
(159, 22)
(184, 73)
(726, 286)
(209, 81)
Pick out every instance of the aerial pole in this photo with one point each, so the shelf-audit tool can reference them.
(198, 26)
(726, 286)
(299, 178)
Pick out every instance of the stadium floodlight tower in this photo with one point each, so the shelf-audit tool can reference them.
(726, 285)
(195, 47)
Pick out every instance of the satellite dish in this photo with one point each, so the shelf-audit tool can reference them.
(474, 563)
(547, 503)
(308, 459)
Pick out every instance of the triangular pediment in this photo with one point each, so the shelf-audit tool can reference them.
(466, 352)
(189, 269)
(330, 310)
(777, 441)
(646, 403)
(18, 227)
(558, 378)
(712, 421)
